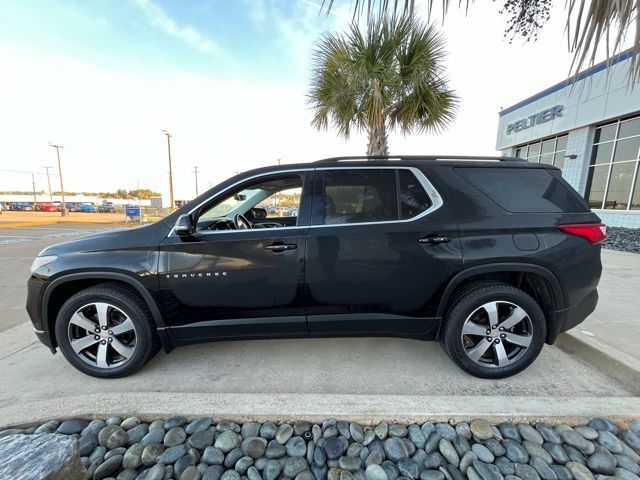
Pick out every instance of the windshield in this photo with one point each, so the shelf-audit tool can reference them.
(239, 202)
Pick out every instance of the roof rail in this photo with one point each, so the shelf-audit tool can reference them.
(420, 157)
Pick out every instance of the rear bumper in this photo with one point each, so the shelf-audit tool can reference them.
(570, 317)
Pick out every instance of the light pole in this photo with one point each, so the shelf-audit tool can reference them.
(170, 169)
(49, 184)
(195, 171)
(33, 184)
(63, 207)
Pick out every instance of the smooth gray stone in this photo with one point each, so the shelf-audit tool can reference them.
(198, 425)
(433, 461)
(255, 447)
(483, 453)
(350, 463)
(232, 457)
(71, 426)
(635, 426)
(293, 466)
(587, 432)
(127, 474)
(461, 445)
(301, 427)
(114, 452)
(394, 448)
(432, 443)
(417, 436)
(562, 472)
(375, 472)
(354, 449)
(272, 470)
(495, 446)
(320, 473)
(230, 475)
(535, 450)
(428, 428)
(487, 471)
(575, 455)
(214, 472)
(465, 462)
(130, 422)
(154, 473)
(154, 436)
(527, 432)
(228, 440)
(408, 468)
(108, 467)
(243, 465)
(150, 453)
(391, 470)
(576, 440)
(98, 454)
(609, 441)
(87, 443)
(172, 454)
(334, 447)
(632, 439)
(343, 429)
(213, 456)
(382, 430)
(601, 424)
(369, 436)
(296, 447)
(319, 457)
(175, 436)
(543, 469)
(622, 474)
(510, 431)
(448, 452)
(137, 433)
(203, 439)
(40, 456)
(579, 471)
(419, 457)
(268, 430)
(250, 429)
(133, 456)
(446, 431)
(182, 464)
(463, 430)
(397, 430)
(284, 433)
(191, 473)
(548, 433)
(173, 422)
(52, 425)
(306, 475)
(454, 473)
(515, 452)
(431, 475)
(506, 466)
(156, 425)
(603, 463)
(224, 426)
(622, 461)
(481, 429)
(346, 475)
(526, 472)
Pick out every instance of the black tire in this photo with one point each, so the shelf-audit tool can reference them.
(468, 302)
(147, 342)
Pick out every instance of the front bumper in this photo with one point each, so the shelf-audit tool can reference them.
(35, 291)
(570, 317)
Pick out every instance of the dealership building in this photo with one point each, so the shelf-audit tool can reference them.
(590, 128)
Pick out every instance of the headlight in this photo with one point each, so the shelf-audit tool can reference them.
(42, 261)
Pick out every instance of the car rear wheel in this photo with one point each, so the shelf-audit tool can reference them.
(494, 330)
(106, 331)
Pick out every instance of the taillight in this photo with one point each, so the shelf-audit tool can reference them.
(591, 232)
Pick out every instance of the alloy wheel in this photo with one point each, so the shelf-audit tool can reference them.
(497, 334)
(102, 335)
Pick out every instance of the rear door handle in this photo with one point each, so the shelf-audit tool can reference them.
(281, 247)
(433, 240)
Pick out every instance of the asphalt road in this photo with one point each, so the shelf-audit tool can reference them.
(345, 377)
(18, 248)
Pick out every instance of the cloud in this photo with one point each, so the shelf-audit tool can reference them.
(162, 21)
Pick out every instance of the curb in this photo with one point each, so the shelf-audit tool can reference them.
(619, 365)
(364, 409)
(24, 224)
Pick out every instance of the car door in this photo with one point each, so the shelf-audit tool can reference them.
(237, 283)
(379, 252)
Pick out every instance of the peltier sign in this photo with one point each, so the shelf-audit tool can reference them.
(535, 119)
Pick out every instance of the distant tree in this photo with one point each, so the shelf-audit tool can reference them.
(387, 76)
(589, 23)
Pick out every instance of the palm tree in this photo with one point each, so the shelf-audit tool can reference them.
(391, 75)
(589, 23)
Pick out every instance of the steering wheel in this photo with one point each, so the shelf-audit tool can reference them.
(241, 222)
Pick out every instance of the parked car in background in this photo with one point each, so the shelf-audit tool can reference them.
(21, 207)
(492, 257)
(107, 207)
(47, 207)
(87, 208)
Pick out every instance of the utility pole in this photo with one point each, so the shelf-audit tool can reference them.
(170, 169)
(49, 184)
(195, 171)
(33, 184)
(63, 207)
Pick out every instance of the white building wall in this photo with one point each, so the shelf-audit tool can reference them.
(576, 170)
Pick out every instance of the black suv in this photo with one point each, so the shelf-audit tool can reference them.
(493, 257)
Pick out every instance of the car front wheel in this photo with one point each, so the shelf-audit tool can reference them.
(106, 331)
(494, 330)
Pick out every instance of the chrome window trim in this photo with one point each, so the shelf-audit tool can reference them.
(434, 196)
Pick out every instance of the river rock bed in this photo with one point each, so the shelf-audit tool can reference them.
(623, 239)
(175, 448)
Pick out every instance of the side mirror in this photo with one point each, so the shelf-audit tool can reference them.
(184, 226)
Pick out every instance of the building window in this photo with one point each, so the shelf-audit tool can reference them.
(613, 173)
(550, 151)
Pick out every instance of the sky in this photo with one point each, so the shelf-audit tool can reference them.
(227, 79)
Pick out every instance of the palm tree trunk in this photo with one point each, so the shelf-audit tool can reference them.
(378, 142)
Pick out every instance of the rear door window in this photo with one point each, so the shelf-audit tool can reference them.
(523, 190)
(371, 195)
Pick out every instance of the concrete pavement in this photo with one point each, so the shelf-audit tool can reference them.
(362, 379)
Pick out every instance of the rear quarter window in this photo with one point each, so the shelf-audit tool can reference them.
(523, 190)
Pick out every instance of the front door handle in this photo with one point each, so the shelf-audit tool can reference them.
(434, 240)
(281, 247)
